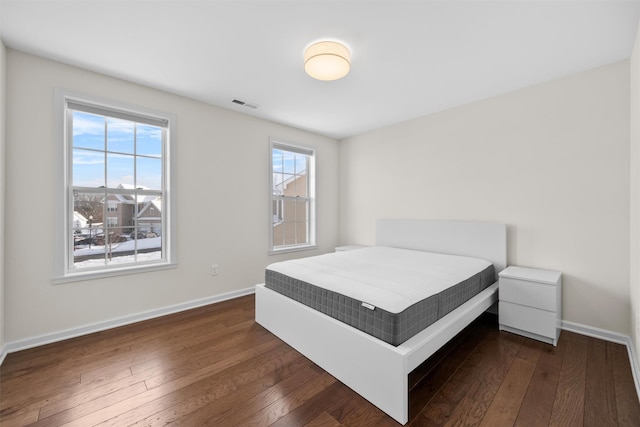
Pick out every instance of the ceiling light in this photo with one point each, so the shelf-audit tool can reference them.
(327, 60)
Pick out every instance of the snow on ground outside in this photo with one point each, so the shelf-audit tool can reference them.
(130, 245)
(127, 259)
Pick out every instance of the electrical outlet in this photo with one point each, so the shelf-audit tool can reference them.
(214, 270)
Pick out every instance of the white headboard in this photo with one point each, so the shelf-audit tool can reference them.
(486, 240)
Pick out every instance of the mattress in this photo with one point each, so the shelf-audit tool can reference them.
(389, 293)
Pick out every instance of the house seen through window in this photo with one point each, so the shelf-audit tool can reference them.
(116, 181)
(292, 197)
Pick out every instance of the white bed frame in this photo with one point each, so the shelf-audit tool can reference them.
(374, 369)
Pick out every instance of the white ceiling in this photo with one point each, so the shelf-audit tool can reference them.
(409, 58)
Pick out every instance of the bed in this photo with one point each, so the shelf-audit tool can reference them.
(376, 368)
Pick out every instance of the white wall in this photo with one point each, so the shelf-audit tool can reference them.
(222, 198)
(551, 161)
(2, 179)
(634, 194)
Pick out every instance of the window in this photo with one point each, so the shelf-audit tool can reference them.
(117, 163)
(292, 205)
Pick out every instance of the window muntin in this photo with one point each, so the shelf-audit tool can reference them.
(117, 166)
(292, 202)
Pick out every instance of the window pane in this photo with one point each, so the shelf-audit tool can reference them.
(149, 140)
(290, 233)
(289, 210)
(301, 232)
(88, 205)
(278, 234)
(301, 163)
(88, 168)
(277, 160)
(125, 237)
(284, 188)
(288, 162)
(120, 135)
(117, 243)
(299, 186)
(148, 231)
(277, 210)
(149, 172)
(120, 170)
(301, 210)
(292, 229)
(294, 210)
(119, 247)
(278, 184)
(88, 209)
(88, 130)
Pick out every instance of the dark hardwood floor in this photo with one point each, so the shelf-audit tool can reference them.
(215, 366)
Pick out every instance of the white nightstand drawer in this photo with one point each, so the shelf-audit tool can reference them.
(527, 293)
(528, 319)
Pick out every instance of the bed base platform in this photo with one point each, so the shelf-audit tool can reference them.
(372, 368)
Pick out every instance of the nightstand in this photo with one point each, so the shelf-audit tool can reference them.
(530, 303)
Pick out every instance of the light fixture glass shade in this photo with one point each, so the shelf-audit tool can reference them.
(327, 60)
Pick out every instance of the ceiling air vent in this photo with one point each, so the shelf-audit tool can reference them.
(245, 104)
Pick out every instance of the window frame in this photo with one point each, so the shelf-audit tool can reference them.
(64, 271)
(311, 196)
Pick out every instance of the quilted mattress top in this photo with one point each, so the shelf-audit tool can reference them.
(388, 278)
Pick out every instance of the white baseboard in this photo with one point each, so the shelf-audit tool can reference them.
(24, 344)
(611, 337)
(3, 353)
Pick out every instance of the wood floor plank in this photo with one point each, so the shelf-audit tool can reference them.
(158, 376)
(174, 392)
(356, 412)
(426, 381)
(70, 415)
(162, 352)
(324, 420)
(227, 409)
(327, 399)
(105, 385)
(183, 362)
(231, 384)
(287, 403)
(538, 401)
(504, 408)
(126, 332)
(49, 409)
(254, 396)
(107, 373)
(215, 366)
(568, 406)
(599, 401)
(627, 404)
(18, 392)
(88, 347)
(20, 419)
(478, 378)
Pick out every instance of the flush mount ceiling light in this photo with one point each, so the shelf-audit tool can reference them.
(327, 60)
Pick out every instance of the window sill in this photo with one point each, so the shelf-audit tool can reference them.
(292, 249)
(124, 271)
